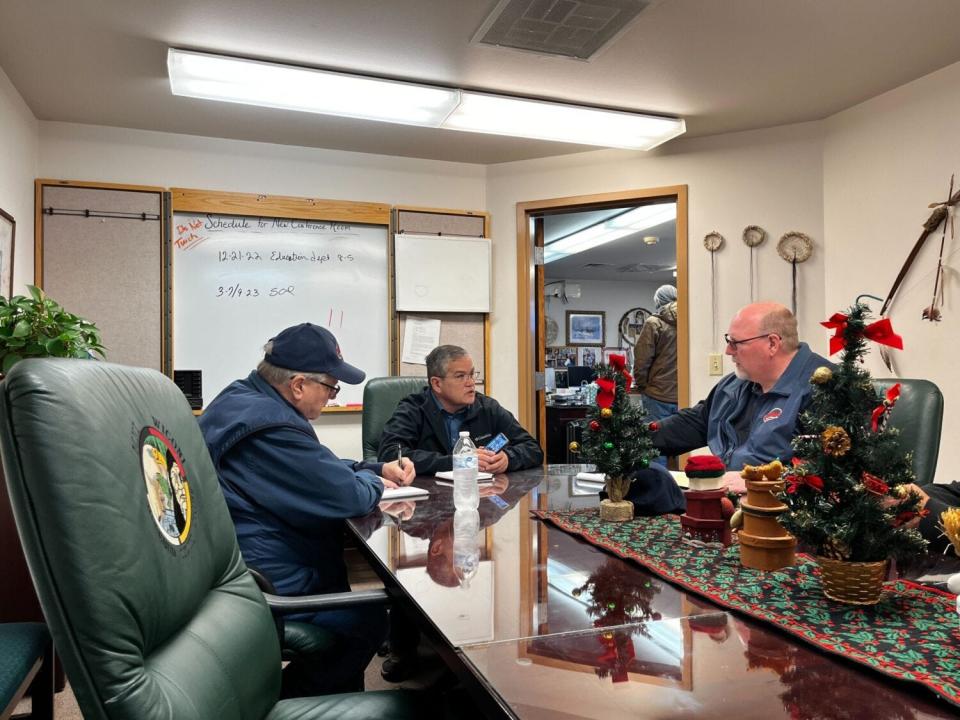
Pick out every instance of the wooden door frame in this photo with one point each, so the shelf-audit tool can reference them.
(530, 310)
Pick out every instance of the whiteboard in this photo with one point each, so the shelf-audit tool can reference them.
(442, 273)
(238, 281)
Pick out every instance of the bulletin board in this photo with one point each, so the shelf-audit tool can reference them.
(100, 253)
(469, 330)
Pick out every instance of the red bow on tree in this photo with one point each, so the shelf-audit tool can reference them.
(889, 400)
(908, 515)
(795, 482)
(873, 484)
(880, 332)
(607, 390)
(619, 363)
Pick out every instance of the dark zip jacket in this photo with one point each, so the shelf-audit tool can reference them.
(417, 426)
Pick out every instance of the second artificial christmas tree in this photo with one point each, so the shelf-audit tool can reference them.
(847, 491)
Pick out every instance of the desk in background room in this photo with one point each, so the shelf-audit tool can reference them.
(559, 418)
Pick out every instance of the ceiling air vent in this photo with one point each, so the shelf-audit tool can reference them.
(568, 28)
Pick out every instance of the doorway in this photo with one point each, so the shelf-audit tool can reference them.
(557, 241)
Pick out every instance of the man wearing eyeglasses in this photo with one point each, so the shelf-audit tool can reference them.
(750, 416)
(426, 424)
(288, 494)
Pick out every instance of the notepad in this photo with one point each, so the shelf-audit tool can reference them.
(589, 477)
(481, 476)
(402, 493)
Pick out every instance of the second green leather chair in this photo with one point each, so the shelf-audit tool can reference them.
(134, 554)
(918, 415)
(380, 398)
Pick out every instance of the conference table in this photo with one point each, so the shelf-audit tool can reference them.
(550, 626)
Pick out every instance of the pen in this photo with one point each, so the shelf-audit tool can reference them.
(400, 455)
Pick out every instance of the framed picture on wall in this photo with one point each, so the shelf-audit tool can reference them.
(586, 327)
(608, 351)
(561, 356)
(588, 356)
(7, 228)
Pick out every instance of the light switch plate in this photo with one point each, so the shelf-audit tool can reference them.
(715, 363)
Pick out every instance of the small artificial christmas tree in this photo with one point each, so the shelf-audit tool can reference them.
(845, 491)
(616, 439)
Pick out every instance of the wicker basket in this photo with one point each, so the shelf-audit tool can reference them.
(853, 583)
(616, 511)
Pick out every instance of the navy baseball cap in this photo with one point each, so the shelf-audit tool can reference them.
(309, 348)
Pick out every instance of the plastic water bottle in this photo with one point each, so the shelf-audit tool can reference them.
(466, 494)
(466, 545)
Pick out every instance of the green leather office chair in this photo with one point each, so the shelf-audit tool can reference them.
(918, 415)
(380, 398)
(134, 554)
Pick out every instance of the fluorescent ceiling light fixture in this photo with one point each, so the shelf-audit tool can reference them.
(254, 82)
(518, 117)
(251, 82)
(627, 223)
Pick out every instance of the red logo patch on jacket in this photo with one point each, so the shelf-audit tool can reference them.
(773, 415)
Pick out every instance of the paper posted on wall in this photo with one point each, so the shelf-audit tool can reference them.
(420, 336)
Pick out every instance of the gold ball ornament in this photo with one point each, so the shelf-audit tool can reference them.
(835, 441)
(606, 412)
(821, 375)
(574, 447)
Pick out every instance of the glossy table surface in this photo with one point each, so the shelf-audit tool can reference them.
(554, 627)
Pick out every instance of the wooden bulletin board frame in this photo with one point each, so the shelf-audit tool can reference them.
(440, 221)
(186, 200)
(161, 269)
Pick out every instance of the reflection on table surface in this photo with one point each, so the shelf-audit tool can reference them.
(713, 665)
(552, 622)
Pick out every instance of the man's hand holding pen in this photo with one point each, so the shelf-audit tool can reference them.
(398, 472)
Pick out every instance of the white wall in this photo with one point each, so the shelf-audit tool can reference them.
(884, 161)
(84, 152)
(772, 178)
(18, 167)
(614, 298)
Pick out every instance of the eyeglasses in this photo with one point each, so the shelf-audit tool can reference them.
(734, 343)
(463, 377)
(334, 389)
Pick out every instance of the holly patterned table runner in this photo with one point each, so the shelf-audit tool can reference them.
(911, 634)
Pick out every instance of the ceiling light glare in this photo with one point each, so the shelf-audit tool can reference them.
(251, 82)
(254, 82)
(518, 117)
(619, 226)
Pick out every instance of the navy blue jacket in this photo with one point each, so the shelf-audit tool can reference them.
(287, 493)
(772, 428)
(417, 426)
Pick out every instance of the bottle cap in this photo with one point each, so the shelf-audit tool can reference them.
(464, 433)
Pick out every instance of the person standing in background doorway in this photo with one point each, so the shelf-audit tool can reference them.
(655, 357)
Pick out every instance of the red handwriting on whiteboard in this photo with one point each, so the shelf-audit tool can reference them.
(187, 235)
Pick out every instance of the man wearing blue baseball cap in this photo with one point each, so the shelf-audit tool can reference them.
(289, 494)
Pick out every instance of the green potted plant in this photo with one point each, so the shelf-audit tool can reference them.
(38, 326)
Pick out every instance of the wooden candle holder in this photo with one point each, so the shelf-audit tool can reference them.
(764, 543)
